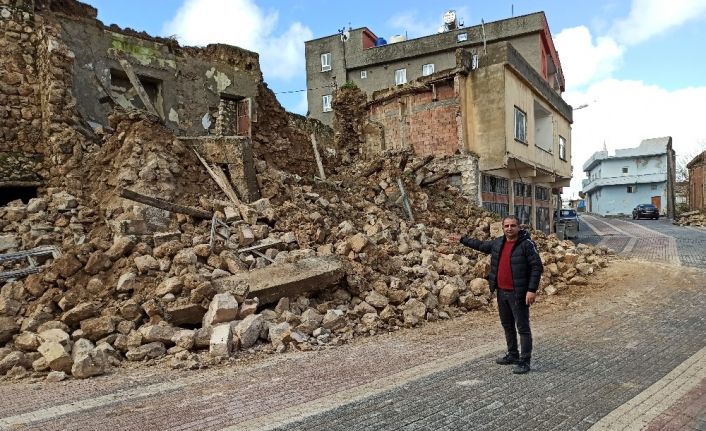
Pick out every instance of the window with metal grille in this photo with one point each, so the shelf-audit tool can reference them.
(496, 185)
(522, 190)
(541, 193)
(498, 208)
(523, 213)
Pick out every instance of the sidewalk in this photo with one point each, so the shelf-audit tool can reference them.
(596, 352)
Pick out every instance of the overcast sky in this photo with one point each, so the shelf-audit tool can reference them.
(637, 65)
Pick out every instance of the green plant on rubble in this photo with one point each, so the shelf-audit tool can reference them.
(349, 85)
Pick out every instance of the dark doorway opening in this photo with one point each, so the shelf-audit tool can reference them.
(9, 194)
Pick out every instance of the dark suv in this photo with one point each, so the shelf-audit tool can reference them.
(645, 211)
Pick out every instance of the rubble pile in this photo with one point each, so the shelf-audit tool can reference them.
(691, 218)
(136, 283)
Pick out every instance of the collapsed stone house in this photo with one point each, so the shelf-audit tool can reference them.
(486, 96)
(64, 72)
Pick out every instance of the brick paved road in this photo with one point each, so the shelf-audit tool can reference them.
(652, 240)
(609, 358)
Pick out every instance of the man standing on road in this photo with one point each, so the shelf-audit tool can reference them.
(515, 270)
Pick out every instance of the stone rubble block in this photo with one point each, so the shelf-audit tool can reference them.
(56, 356)
(221, 342)
(248, 330)
(223, 308)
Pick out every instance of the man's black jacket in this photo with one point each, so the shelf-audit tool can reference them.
(525, 262)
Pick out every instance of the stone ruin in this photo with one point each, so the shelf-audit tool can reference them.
(182, 217)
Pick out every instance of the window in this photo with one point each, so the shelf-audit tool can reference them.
(632, 189)
(625, 170)
(523, 213)
(562, 148)
(427, 69)
(400, 76)
(496, 185)
(500, 209)
(542, 193)
(522, 189)
(654, 186)
(326, 102)
(461, 37)
(363, 74)
(326, 62)
(520, 125)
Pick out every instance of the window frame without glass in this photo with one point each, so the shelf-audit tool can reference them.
(562, 148)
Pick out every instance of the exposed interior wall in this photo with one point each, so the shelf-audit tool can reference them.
(486, 120)
(426, 121)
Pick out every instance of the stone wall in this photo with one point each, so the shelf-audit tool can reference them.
(20, 110)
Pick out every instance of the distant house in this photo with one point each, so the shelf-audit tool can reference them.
(616, 184)
(697, 186)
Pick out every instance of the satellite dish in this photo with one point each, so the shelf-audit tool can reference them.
(345, 35)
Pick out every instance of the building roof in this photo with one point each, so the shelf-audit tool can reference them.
(648, 147)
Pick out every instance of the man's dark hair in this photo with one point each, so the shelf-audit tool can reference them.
(511, 217)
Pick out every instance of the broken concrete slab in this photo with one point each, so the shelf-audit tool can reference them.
(277, 281)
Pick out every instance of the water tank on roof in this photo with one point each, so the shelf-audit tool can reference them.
(380, 41)
(398, 38)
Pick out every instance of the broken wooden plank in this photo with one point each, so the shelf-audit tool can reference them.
(431, 179)
(405, 200)
(162, 204)
(375, 167)
(272, 244)
(220, 178)
(137, 85)
(420, 164)
(322, 174)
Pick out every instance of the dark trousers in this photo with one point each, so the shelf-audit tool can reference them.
(514, 316)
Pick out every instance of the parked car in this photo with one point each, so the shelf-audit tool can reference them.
(645, 211)
(570, 219)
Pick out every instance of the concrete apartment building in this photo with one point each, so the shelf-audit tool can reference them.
(486, 96)
(697, 185)
(646, 174)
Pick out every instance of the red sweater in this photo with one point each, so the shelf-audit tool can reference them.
(504, 268)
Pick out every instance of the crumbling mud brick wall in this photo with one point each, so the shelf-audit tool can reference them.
(67, 72)
(349, 121)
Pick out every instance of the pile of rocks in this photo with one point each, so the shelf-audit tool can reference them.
(135, 285)
(691, 218)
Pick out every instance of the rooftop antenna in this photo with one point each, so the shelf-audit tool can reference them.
(512, 9)
(485, 46)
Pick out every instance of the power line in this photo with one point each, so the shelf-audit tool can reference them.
(306, 89)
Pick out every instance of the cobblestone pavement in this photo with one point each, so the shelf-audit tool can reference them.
(605, 357)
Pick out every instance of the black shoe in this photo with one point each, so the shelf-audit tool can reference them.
(522, 367)
(508, 359)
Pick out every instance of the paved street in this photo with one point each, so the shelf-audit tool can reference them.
(626, 353)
